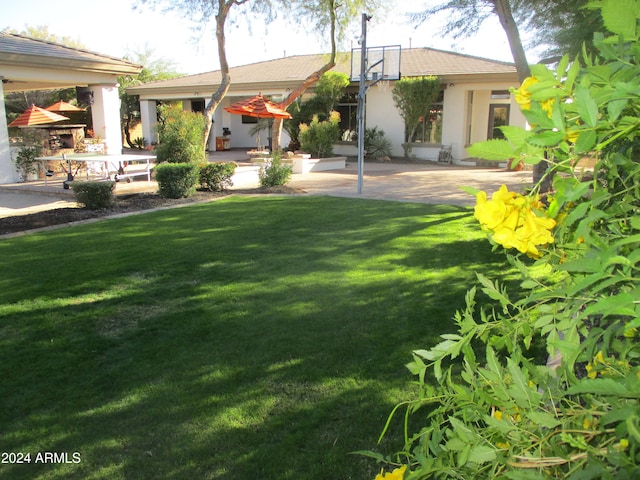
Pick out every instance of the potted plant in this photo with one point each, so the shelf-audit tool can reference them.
(26, 162)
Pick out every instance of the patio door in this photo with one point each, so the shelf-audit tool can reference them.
(498, 117)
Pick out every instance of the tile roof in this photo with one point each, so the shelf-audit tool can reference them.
(294, 69)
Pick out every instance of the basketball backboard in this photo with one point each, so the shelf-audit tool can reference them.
(383, 63)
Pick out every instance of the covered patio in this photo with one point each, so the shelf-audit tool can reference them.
(29, 64)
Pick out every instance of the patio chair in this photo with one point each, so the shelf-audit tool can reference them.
(444, 156)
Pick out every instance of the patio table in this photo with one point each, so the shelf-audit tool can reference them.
(119, 165)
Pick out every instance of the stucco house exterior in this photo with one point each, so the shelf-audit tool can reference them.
(475, 98)
(30, 64)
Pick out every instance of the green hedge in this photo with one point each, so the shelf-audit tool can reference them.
(177, 180)
(94, 195)
(216, 177)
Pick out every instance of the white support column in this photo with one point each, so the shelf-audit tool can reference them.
(149, 118)
(8, 173)
(105, 112)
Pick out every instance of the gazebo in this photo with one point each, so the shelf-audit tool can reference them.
(31, 64)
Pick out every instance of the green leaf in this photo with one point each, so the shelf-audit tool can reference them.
(543, 419)
(618, 18)
(516, 135)
(586, 106)
(620, 304)
(492, 150)
(546, 139)
(586, 141)
(482, 454)
(602, 386)
(572, 74)
(615, 108)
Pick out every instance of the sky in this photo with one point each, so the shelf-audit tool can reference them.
(114, 28)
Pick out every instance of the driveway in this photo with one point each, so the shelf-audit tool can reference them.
(411, 182)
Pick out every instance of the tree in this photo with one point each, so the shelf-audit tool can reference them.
(153, 69)
(466, 17)
(204, 10)
(327, 93)
(322, 15)
(413, 97)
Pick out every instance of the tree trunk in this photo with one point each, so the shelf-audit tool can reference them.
(218, 95)
(276, 129)
(503, 10)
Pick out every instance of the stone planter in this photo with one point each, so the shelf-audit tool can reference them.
(306, 164)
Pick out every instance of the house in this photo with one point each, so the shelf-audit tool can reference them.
(31, 64)
(475, 99)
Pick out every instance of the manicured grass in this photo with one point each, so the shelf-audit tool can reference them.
(249, 338)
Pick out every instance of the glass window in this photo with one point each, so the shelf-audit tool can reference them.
(430, 128)
(348, 110)
(498, 117)
(500, 95)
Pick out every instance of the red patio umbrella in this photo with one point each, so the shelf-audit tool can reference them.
(63, 107)
(36, 116)
(257, 106)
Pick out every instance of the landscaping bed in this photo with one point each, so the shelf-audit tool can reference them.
(131, 203)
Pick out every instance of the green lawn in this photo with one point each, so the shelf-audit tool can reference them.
(249, 338)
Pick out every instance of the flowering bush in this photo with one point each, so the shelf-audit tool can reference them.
(545, 382)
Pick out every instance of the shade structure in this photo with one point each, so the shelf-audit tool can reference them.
(259, 107)
(36, 116)
(63, 107)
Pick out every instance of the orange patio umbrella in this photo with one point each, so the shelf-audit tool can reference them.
(36, 116)
(259, 107)
(63, 107)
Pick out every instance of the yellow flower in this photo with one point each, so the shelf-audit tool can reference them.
(502, 445)
(512, 220)
(523, 95)
(572, 136)
(622, 445)
(397, 474)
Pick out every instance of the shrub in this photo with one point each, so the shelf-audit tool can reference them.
(376, 144)
(490, 406)
(216, 177)
(94, 195)
(273, 172)
(177, 180)
(318, 138)
(181, 136)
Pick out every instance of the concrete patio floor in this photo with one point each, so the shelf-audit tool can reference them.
(413, 182)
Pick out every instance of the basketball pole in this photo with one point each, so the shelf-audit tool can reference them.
(362, 94)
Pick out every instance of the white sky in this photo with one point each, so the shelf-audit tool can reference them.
(113, 28)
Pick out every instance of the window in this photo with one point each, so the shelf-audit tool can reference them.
(430, 128)
(348, 110)
(498, 117)
(197, 105)
(500, 95)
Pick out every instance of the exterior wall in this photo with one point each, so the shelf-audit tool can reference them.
(8, 173)
(465, 118)
(382, 113)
